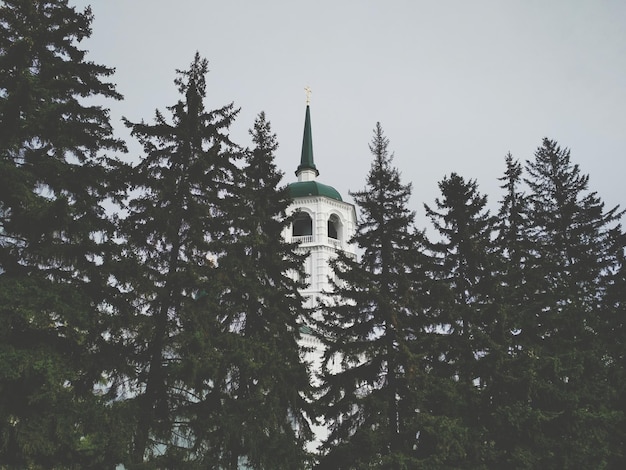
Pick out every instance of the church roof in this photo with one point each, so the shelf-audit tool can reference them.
(307, 186)
(313, 188)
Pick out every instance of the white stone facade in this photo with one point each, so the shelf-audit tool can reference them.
(321, 245)
(323, 225)
(326, 215)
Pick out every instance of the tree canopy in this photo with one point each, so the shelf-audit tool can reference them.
(151, 313)
(55, 240)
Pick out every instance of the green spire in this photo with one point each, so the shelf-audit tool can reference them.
(306, 160)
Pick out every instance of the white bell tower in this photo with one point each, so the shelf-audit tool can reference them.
(323, 226)
(323, 223)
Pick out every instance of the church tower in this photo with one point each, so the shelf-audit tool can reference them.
(323, 226)
(323, 223)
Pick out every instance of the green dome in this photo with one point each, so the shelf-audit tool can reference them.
(313, 188)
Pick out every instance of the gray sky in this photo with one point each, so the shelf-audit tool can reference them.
(455, 84)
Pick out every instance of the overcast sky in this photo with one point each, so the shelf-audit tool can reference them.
(455, 84)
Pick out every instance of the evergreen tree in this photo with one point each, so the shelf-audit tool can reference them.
(371, 331)
(170, 236)
(263, 381)
(512, 222)
(509, 369)
(464, 262)
(573, 237)
(614, 333)
(55, 300)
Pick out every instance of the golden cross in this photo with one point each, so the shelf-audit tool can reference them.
(307, 90)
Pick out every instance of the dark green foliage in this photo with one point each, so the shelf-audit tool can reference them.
(614, 334)
(499, 344)
(513, 221)
(465, 313)
(531, 345)
(170, 235)
(369, 392)
(575, 254)
(264, 385)
(505, 399)
(54, 241)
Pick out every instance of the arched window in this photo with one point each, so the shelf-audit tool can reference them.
(302, 225)
(334, 227)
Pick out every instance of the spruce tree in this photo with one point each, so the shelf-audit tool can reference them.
(614, 333)
(509, 369)
(463, 265)
(573, 237)
(512, 223)
(263, 381)
(370, 327)
(174, 219)
(55, 299)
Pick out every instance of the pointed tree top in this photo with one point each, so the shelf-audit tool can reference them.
(306, 159)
